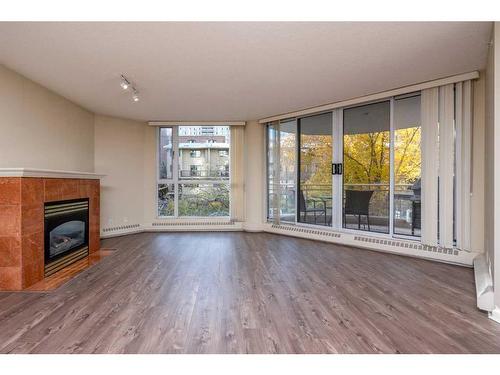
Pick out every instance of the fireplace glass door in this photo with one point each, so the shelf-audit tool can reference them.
(66, 228)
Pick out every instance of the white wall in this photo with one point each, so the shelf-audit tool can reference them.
(478, 159)
(496, 168)
(40, 129)
(489, 217)
(119, 154)
(492, 165)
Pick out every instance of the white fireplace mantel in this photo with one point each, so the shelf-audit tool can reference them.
(47, 173)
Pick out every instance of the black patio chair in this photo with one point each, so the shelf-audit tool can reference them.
(305, 209)
(357, 203)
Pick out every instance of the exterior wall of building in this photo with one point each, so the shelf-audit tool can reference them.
(209, 163)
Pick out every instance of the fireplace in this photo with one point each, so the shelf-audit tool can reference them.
(66, 233)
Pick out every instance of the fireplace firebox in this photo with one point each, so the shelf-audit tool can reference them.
(66, 233)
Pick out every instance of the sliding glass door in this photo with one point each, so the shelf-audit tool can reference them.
(281, 170)
(356, 168)
(367, 167)
(288, 171)
(407, 165)
(315, 170)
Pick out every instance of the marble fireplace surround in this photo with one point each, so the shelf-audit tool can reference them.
(23, 193)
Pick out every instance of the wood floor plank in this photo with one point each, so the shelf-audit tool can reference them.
(250, 293)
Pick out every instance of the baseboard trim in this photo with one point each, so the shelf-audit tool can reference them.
(121, 231)
(394, 246)
(252, 227)
(190, 228)
(400, 247)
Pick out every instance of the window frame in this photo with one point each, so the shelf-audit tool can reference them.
(176, 181)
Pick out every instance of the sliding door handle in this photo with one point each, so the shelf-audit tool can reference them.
(336, 168)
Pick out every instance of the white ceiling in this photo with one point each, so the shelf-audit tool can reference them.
(235, 71)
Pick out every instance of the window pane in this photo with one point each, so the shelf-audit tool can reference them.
(271, 142)
(407, 166)
(165, 154)
(315, 160)
(288, 150)
(366, 167)
(203, 152)
(203, 200)
(166, 200)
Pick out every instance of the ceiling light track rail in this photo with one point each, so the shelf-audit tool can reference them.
(126, 85)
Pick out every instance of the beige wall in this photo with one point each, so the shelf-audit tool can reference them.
(478, 139)
(149, 183)
(488, 186)
(489, 213)
(496, 168)
(40, 129)
(119, 154)
(492, 164)
(255, 171)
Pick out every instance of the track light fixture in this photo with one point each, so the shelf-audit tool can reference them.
(135, 96)
(125, 85)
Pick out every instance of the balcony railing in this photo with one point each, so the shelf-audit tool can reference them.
(200, 174)
(318, 206)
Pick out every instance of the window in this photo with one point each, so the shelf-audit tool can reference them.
(315, 177)
(407, 165)
(166, 199)
(165, 154)
(284, 183)
(271, 140)
(193, 181)
(358, 197)
(367, 167)
(203, 200)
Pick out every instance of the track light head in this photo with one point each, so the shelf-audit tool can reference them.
(135, 97)
(125, 84)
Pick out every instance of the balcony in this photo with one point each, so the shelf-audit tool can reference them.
(204, 173)
(316, 207)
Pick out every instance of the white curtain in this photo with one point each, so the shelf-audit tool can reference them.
(237, 168)
(446, 165)
(463, 125)
(430, 166)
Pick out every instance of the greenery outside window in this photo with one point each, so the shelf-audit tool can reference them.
(193, 174)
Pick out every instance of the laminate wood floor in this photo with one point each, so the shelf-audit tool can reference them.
(250, 293)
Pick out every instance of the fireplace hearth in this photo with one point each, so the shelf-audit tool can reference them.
(66, 232)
